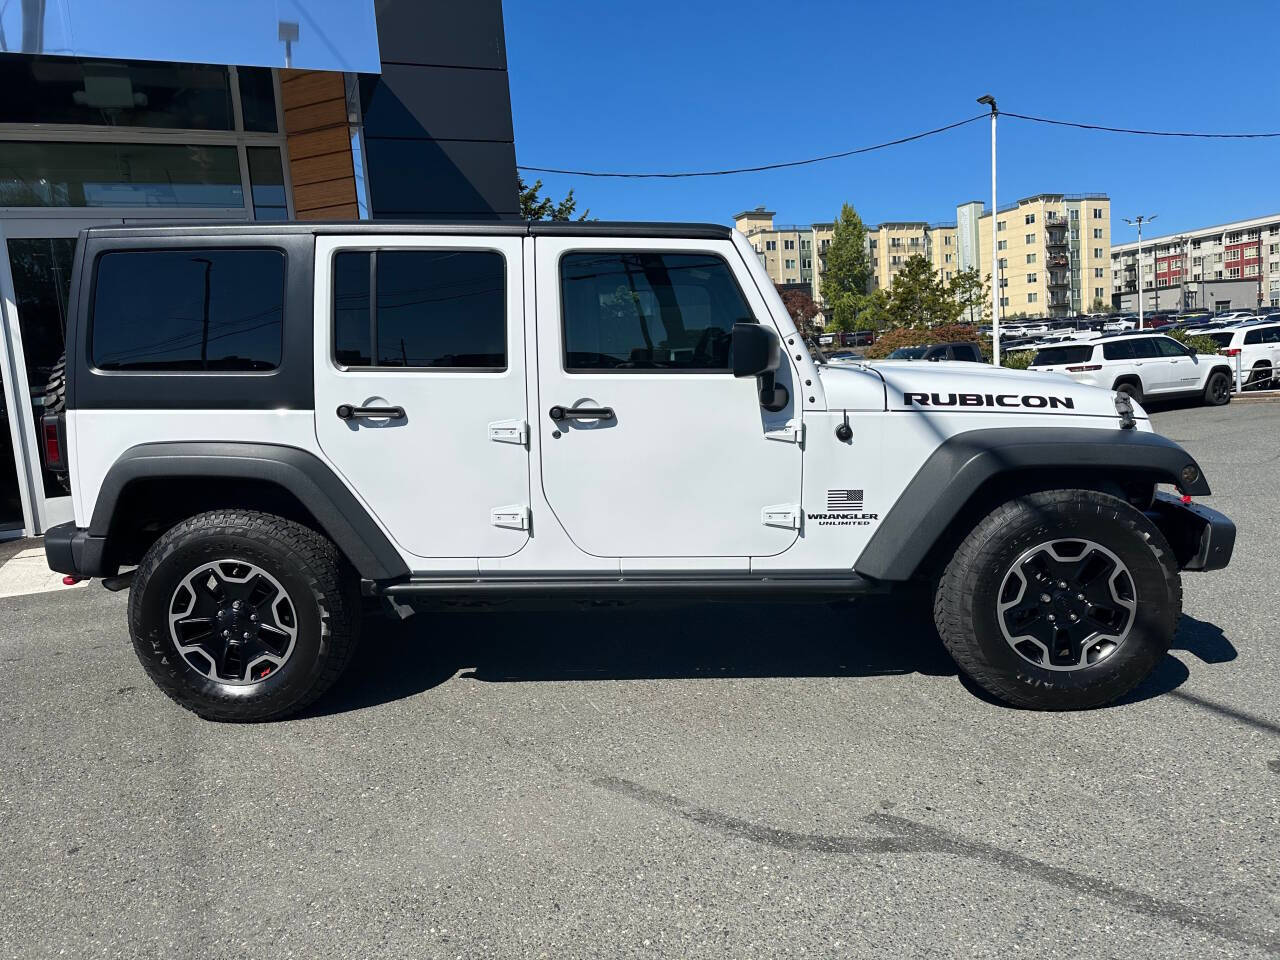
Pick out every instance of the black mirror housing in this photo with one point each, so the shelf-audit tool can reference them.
(757, 350)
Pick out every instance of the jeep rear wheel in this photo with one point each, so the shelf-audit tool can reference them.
(1060, 600)
(239, 615)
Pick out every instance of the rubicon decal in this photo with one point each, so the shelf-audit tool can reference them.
(1032, 401)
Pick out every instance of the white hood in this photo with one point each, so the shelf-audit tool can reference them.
(918, 385)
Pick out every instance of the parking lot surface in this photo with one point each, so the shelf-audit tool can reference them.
(696, 780)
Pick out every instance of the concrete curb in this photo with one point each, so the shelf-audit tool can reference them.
(1256, 396)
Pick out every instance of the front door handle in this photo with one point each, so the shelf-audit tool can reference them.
(559, 413)
(348, 412)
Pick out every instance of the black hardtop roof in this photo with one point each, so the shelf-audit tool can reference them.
(501, 228)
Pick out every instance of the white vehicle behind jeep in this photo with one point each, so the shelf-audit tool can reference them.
(1254, 348)
(1140, 365)
(468, 414)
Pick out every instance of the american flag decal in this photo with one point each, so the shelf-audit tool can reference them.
(844, 501)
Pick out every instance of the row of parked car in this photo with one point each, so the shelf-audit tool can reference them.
(1144, 363)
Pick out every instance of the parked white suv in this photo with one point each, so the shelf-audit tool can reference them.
(1140, 365)
(1258, 349)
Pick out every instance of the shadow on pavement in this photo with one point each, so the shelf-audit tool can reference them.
(876, 636)
(641, 642)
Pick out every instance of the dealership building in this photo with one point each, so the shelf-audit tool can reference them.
(241, 111)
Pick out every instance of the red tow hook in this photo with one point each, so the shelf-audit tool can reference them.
(1186, 499)
(70, 581)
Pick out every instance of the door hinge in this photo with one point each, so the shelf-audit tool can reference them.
(509, 431)
(784, 515)
(514, 516)
(790, 432)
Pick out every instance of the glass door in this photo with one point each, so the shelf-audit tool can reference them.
(36, 290)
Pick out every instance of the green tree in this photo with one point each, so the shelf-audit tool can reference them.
(971, 295)
(534, 206)
(1100, 306)
(917, 298)
(846, 263)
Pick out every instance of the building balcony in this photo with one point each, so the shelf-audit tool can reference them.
(1059, 280)
(1052, 222)
(1057, 260)
(1055, 241)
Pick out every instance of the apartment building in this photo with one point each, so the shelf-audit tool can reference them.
(1054, 250)
(1228, 266)
(1054, 253)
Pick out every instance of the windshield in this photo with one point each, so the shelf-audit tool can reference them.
(907, 353)
(1053, 356)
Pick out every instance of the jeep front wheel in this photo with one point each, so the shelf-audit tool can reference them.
(1060, 600)
(239, 615)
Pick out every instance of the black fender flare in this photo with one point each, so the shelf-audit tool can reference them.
(340, 515)
(961, 464)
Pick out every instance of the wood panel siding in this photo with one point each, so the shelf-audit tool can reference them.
(319, 144)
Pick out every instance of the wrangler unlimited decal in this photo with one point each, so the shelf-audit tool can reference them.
(987, 400)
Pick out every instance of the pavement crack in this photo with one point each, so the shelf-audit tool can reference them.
(909, 836)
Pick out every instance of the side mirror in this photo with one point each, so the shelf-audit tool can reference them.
(1192, 351)
(756, 350)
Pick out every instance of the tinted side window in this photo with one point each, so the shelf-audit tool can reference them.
(1252, 337)
(1169, 348)
(1144, 349)
(648, 311)
(431, 308)
(1120, 350)
(209, 309)
(1271, 335)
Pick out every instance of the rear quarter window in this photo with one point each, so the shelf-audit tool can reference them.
(212, 309)
(1221, 339)
(1056, 356)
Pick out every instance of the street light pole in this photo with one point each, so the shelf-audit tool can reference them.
(995, 243)
(1139, 220)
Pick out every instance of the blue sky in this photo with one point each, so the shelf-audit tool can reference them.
(699, 84)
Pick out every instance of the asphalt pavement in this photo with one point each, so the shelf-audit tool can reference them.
(695, 780)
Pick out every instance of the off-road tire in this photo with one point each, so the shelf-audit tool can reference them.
(1217, 391)
(967, 593)
(1133, 390)
(319, 582)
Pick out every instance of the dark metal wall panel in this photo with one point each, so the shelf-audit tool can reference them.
(438, 134)
(446, 33)
(426, 179)
(409, 100)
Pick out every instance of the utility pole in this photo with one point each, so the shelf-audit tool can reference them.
(995, 244)
(1139, 220)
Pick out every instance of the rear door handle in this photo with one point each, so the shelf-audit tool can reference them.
(559, 413)
(348, 412)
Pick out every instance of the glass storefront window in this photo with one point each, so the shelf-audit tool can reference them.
(61, 174)
(42, 284)
(116, 93)
(266, 174)
(257, 99)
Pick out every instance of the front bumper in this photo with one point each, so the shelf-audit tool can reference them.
(1201, 538)
(71, 550)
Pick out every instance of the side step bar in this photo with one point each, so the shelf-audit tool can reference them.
(759, 587)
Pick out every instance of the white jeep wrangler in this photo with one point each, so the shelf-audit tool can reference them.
(270, 421)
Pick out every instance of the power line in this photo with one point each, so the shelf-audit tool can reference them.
(767, 166)
(893, 143)
(1144, 133)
